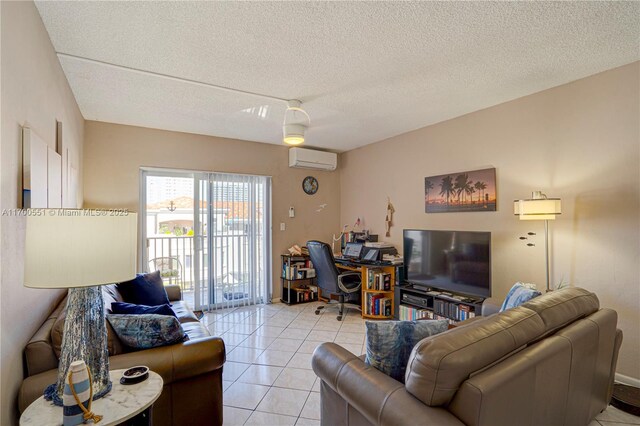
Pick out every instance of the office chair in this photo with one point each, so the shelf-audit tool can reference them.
(330, 281)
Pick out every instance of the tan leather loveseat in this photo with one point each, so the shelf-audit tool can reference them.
(192, 371)
(548, 362)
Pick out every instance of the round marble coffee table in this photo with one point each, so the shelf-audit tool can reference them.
(119, 405)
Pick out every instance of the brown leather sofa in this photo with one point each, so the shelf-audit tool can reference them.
(548, 362)
(192, 371)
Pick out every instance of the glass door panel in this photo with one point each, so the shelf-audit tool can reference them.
(210, 233)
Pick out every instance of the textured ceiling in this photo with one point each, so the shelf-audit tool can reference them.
(365, 71)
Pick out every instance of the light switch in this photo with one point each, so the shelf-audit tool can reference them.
(283, 226)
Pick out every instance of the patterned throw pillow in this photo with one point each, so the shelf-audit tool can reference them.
(147, 331)
(389, 343)
(520, 293)
(144, 289)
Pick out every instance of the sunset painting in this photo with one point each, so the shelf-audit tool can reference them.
(461, 192)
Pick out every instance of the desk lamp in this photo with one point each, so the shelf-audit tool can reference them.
(80, 250)
(539, 207)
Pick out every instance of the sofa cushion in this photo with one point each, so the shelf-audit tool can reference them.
(440, 364)
(144, 289)
(389, 343)
(110, 294)
(147, 331)
(114, 346)
(195, 330)
(133, 309)
(39, 355)
(520, 293)
(183, 312)
(561, 307)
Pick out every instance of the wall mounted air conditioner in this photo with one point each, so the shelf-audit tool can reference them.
(303, 158)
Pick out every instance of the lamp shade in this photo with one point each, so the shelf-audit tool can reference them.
(67, 248)
(293, 130)
(293, 134)
(537, 209)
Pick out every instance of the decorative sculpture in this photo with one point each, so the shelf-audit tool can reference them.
(389, 219)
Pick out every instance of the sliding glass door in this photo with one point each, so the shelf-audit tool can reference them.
(210, 233)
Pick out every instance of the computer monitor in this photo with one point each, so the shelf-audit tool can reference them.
(353, 250)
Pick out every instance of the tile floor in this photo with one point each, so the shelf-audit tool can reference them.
(268, 379)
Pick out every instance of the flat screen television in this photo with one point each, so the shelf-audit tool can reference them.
(455, 261)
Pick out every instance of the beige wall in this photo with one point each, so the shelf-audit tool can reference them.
(114, 154)
(579, 142)
(35, 92)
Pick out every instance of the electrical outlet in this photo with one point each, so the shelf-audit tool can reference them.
(283, 226)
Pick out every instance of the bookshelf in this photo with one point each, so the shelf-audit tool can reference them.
(298, 280)
(377, 292)
(414, 304)
(373, 293)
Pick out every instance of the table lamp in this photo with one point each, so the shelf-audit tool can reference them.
(539, 207)
(80, 250)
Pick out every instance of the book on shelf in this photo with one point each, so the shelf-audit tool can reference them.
(298, 270)
(377, 279)
(305, 294)
(453, 312)
(378, 304)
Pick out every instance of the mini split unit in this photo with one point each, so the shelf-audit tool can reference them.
(303, 158)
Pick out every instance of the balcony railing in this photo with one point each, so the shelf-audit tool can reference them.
(175, 257)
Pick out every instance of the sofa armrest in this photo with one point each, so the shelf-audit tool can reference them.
(173, 292)
(177, 362)
(491, 306)
(379, 398)
(173, 363)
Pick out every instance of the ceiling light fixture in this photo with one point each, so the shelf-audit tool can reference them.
(293, 131)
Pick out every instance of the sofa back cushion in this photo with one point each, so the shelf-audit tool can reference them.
(562, 307)
(110, 295)
(39, 354)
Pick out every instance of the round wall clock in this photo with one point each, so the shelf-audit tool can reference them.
(310, 185)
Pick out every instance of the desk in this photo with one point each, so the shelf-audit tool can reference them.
(122, 403)
(371, 295)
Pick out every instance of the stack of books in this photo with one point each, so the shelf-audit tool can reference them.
(378, 280)
(377, 304)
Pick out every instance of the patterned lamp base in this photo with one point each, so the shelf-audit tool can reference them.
(84, 338)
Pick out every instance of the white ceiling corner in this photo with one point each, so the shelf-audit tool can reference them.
(365, 71)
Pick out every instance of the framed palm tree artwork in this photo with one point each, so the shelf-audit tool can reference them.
(473, 191)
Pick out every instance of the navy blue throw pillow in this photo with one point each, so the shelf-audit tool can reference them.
(131, 309)
(144, 289)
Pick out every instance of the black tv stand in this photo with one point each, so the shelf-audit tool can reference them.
(416, 301)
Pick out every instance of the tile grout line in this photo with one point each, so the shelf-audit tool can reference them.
(279, 336)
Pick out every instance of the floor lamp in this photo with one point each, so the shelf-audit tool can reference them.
(539, 207)
(80, 250)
